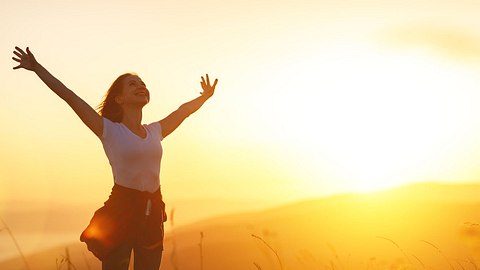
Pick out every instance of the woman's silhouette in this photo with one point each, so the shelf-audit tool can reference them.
(132, 217)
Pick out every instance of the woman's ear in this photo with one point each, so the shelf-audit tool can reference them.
(119, 100)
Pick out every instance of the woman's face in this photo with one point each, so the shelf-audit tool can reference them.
(134, 92)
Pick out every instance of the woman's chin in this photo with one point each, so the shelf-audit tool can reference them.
(141, 102)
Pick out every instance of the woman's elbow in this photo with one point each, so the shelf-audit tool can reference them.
(186, 110)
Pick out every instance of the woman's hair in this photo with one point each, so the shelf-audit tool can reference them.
(109, 108)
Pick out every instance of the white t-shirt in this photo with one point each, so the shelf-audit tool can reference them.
(135, 161)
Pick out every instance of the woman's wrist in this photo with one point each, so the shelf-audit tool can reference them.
(35, 66)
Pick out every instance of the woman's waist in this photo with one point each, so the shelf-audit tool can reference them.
(138, 184)
(126, 195)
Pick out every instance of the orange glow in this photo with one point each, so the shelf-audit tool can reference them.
(338, 108)
(315, 98)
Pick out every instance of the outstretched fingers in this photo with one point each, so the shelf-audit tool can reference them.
(208, 80)
(17, 59)
(20, 50)
(206, 85)
(26, 60)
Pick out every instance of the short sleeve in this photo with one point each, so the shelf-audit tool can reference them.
(156, 128)
(108, 127)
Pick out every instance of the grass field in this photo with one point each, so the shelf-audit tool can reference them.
(414, 227)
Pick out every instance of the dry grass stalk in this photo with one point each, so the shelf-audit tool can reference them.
(65, 260)
(258, 266)
(337, 257)
(173, 255)
(16, 243)
(399, 248)
(472, 262)
(201, 250)
(421, 263)
(441, 253)
(273, 250)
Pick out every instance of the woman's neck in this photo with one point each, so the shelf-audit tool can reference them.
(132, 118)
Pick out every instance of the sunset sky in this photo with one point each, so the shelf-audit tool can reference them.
(314, 97)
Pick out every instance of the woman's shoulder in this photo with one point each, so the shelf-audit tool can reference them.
(153, 124)
(109, 127)
(155, 127)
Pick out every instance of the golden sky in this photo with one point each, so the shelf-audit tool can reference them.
(314, 97)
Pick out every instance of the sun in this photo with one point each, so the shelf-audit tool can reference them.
(364, 120)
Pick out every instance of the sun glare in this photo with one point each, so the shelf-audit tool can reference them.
(368, 119)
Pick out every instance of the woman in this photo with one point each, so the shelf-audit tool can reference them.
(132, 218)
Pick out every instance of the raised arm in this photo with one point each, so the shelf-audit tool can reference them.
(173, 120)
(86, 113)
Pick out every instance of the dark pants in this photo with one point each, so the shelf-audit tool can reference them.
(143, 258)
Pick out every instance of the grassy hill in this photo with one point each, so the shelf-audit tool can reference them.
(422, 226)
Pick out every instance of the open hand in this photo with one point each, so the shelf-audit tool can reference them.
(207, 88)
(25, 60)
